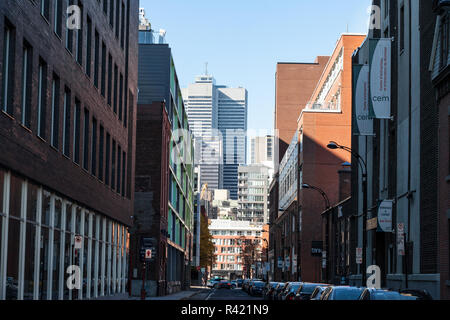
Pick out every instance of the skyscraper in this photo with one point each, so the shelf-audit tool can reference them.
(232, 122)
(200, 99)
(217, 116)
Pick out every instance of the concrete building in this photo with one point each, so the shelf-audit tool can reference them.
(67, 147)
(402, 156)
(222, 207)
(164, 195)
(262, 150)
(253, 193)
(231, 238)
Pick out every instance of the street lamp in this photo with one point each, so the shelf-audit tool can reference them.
(324, 195)
(333, 146)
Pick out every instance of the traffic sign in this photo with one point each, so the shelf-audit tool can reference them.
(359, 255)
(78, 242)
(148, 254)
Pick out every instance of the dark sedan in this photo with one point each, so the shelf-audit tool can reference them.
(268, 290)
(317, 293)
(257, 288)
(290, 291)
(278, 290)
(224, 284)
(342, 293)
(305, 291)
(379, 294)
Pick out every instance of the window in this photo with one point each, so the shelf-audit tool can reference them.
(444, 41)
(119, 172)
(42, 99)
(103, 84)
(76, 132)
(120, 96)
(107, 158)
(117, 17)
(89, 47)
(58, 17)
(122, 28)
(402, 28)
(79, 52)
(45, 9)
(86, 140)
(66, 126)
(124, 161)
(101, 153)
(116, 71)
(96, 57)
(7, 74)
(109, 79)
(113, 166)
(55, 112)
(27, 70)
(69, 32)
(94, 147)
(111, 13)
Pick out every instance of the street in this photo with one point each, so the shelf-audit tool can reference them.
(223, 294)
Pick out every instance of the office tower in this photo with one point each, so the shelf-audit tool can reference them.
(218, 119)
(232, 121)
(200, 99)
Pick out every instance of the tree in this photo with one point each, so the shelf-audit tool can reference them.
(207, 256)
(250, 253)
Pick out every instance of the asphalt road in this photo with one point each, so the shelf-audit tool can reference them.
(223, 294)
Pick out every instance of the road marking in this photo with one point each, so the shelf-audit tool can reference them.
(207, 298)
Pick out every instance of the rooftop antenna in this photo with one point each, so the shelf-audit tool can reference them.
(206, 68)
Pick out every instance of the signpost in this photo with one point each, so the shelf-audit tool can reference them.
(359, 254)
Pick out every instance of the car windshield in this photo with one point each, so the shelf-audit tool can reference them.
(308, 288)
(295, 286)
(347, 294)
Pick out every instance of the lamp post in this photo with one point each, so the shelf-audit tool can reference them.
(327, 204)
(324, 195)
(333, 146)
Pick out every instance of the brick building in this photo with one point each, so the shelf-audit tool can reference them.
(294, 84)
(67, 121)
(327, 116)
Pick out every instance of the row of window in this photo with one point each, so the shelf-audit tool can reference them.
(37, 245)
(106, 75)
(92, 146)
(232, 233)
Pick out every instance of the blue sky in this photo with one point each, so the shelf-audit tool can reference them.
(242, 40)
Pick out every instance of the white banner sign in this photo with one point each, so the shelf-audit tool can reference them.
(380, 77)
(385, 216)
(400, 239)
(363, 121)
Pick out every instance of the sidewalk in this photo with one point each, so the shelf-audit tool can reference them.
(181, 295)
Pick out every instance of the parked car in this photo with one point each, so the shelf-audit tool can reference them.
(250, 284)
(257, 288)
(268, 290)
(305, 291)
(211, 283)
(317, 293)
(290, 290)
(245, 284)
(278, 290)
(223, 284)
(420, 294)
(380, 294)
(239, 283)
(342, 293)
(233, 284)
